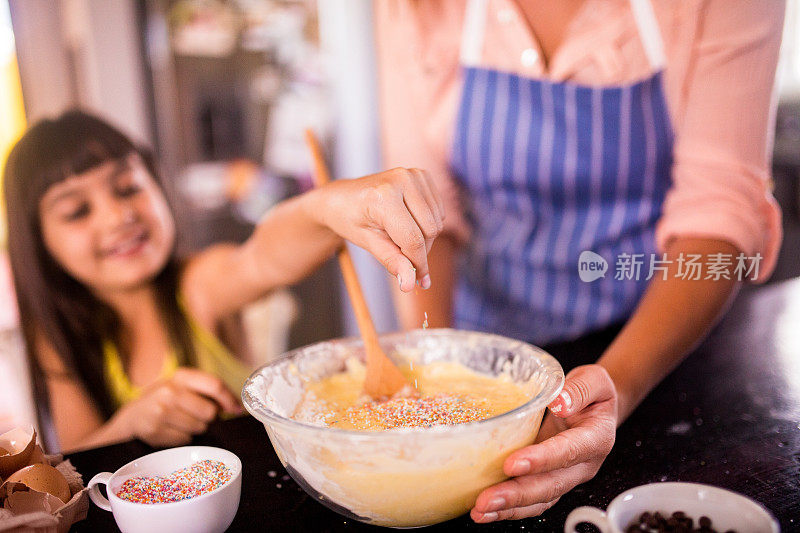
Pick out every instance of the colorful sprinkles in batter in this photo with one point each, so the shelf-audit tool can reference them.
(197, 479)
(449, 393)
(437, 410)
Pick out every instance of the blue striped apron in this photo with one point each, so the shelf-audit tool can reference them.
(550, 170)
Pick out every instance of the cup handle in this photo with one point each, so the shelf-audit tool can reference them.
(592, 515)
(94, 490)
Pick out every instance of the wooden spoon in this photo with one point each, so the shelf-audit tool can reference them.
(384, 379)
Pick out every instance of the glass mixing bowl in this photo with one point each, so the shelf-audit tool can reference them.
(406, 477)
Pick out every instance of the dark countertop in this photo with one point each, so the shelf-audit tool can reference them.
(728, 416)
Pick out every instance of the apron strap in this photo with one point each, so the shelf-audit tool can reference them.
(646, 24)
(649, 33)
(472, 34)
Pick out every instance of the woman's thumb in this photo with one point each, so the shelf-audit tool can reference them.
(582, 387)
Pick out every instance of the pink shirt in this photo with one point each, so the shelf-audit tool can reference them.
(721, 58)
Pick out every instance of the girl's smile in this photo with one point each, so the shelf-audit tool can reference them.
(127, 247)
(109, 227)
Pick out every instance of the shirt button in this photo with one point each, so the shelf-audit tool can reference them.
(529, 57)
(505, 16)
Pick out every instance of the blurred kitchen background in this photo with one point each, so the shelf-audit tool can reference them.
(222, 91)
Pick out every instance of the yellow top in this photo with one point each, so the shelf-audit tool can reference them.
(212, 357)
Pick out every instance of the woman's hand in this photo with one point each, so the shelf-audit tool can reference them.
(395, 215)
(573, 442)
(168, 413)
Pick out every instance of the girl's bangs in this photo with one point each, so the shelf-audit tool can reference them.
(53, 150)
(69, 161)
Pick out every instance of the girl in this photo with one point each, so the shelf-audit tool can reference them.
(117, 328)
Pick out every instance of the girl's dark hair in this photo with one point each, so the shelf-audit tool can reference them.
(52, 304)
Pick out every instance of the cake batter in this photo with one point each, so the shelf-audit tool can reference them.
(449, 393)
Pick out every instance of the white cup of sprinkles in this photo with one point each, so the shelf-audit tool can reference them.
(192, 489)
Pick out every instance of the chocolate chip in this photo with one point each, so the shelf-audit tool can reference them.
(677, 522)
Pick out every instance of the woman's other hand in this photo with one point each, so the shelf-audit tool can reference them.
(395, 215)
(573, 442)
(168, 413)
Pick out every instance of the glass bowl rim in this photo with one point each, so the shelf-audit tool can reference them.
(540, 400)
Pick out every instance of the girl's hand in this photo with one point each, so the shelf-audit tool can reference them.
(395, 215)
(170, 412)
(571, 446)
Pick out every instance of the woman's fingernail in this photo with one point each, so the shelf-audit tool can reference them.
(399, 281)
(561, 404)
(426, 281)
(521, 467)
(496, 504)
(488, 517)
(565, 399)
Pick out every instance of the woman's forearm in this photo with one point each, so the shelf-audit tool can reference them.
(395, 215)
(673, 316)
(289, 243)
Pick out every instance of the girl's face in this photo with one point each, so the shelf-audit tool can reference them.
(110, 227)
